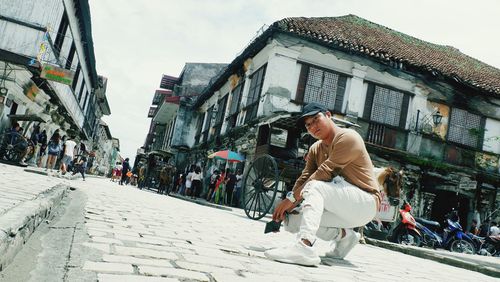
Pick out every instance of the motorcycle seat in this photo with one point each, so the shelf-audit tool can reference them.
(427, 222)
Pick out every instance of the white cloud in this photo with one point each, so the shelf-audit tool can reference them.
(137, 41)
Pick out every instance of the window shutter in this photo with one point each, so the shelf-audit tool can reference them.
(369, 101)
(404, 111)
(304, 72)
(339, 97)
(481, 138)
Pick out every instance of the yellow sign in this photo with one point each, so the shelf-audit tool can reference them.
(57, 74)
(31, 91)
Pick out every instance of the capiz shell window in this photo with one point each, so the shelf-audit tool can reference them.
(387, 106)
(465, 128)
(321, 87)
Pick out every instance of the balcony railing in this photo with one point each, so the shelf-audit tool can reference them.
(386, 135)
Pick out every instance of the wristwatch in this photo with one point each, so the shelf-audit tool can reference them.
(290, 197)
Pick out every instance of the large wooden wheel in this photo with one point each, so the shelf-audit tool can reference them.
(9, 144)
(260, 185)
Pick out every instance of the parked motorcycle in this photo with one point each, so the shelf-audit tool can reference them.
(487, 246)
(406, 232)
(452, 238)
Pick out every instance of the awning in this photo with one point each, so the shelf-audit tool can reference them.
(26, 118)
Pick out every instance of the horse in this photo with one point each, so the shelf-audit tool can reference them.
(390, 181)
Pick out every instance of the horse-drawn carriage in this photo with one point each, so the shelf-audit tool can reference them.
(278, 162)
(148, 168)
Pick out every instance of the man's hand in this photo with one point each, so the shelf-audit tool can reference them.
(284, 206)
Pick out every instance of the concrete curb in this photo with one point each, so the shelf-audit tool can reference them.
(428, 254)
(17, 224)
(201, 202)
(43, 172)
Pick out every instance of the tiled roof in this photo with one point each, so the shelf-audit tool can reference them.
(357, 35)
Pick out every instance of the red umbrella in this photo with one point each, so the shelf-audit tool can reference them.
(230, 156)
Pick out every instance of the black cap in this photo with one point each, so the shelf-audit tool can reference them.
(311, 109)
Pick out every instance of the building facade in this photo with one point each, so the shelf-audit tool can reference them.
(47, 68)
(173, 122)
(425, 108)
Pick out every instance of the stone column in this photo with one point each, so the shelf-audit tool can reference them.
(357, 92)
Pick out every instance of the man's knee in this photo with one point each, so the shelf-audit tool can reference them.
(311, 188)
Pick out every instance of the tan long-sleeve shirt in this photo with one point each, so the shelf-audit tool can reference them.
(345, 156)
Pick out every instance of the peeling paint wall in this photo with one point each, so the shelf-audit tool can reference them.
(492, 136)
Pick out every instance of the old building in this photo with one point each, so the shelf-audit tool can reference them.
(47, 68)
(172, 128)
(425, 108)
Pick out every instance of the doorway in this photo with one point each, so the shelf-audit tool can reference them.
(445, 201)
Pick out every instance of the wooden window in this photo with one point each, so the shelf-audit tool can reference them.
(61, 33)
(257, 80)
(321, 86)
(386, 106)
(71, 55)
(75, 79)
(158, 98)
(208, 123)
(255, 89)
(199, 127)
(234, 108)
(465, 128)
(219, 118)
(83, 88)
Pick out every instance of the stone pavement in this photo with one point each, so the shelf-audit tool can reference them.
(26, 199)
(142, 236)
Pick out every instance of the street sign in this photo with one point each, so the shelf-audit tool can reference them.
(467, 184)
(57, 74)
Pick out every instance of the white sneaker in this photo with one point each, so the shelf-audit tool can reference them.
(23, 163)
(292, 225)
(298, 253)
(344, 245)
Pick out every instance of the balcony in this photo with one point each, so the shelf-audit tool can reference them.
(385, 135)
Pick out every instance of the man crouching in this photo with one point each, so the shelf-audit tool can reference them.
(337, 191)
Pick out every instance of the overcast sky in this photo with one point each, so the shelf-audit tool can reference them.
(137, 41)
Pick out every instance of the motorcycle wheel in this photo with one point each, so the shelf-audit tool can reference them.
(409, 237)
(462, 246)
(487, 249)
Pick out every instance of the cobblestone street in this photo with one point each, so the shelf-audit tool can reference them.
(136, 235)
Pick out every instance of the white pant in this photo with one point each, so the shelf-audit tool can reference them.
(336, 204)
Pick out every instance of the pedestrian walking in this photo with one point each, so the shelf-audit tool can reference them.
(211, 186)
(220, 188)
(42, 140)
(69, 153)
(189, 179)
(125, 169)
(196, 182)
(230, 183)
(53, 150)
(337, 191)
(237, 188)
(80, 165)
